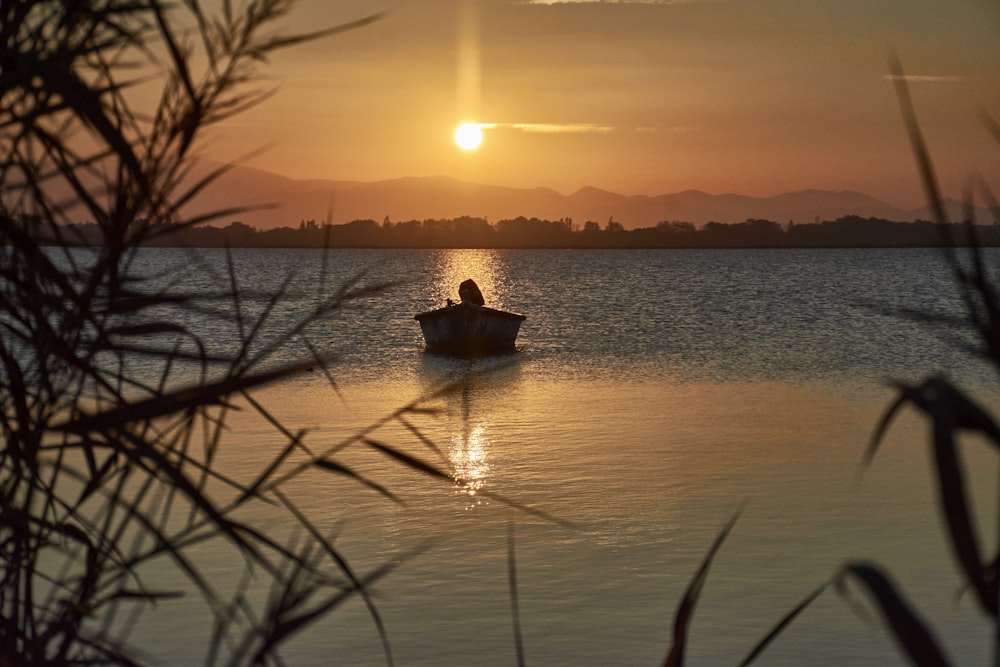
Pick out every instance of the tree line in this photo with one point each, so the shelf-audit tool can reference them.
(471, 232)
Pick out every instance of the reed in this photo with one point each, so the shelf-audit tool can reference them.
(105, 470)
(951, 412)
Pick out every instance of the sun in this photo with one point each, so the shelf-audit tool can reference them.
(468, 136)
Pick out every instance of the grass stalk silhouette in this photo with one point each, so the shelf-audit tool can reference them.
(106, 471)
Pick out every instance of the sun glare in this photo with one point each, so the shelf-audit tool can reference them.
(468, 136)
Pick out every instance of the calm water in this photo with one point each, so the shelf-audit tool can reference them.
(655, 393)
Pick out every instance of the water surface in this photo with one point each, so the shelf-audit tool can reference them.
(654, 394)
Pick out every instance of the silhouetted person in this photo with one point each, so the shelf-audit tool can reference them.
(469, 291)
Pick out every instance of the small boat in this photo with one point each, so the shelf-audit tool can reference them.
(469, 328)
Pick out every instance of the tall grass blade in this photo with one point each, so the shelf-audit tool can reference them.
(920, 152)
(333, 466)
(785, 621)
(949, 411)
(685, 611)
(912, 634)
(177, 401)
(515, 607)
(408, 460)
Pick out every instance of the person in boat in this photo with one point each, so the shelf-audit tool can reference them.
(469, 291)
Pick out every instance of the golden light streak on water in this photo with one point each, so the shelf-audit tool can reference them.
(469, 456)
(483, 266)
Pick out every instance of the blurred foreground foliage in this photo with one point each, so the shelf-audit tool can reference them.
(109, 482)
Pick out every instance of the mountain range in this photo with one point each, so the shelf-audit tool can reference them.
(278, 201)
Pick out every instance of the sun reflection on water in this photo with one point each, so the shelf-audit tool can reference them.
(469, 457)
(486, 267)
(472, 440)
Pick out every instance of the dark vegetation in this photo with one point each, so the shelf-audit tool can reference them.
(105, 472)
(467, 232)
(113, 410)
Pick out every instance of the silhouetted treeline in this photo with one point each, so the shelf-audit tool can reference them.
(469, 232)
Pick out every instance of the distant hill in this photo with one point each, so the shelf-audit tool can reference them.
(444, 197)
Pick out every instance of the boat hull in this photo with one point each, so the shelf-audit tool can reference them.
(468, 330)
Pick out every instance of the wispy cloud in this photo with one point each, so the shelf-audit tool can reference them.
(580, 128)
(609, 2)
(552, 128)
(927, 78)
(612, 2)
(616, 2)
(584, 128)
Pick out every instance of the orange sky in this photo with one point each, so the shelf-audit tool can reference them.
(755, 97)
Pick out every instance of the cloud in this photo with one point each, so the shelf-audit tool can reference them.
(613, 2)
(552, 128)
(584, 128)
(926, 78)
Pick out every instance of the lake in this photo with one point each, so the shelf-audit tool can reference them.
(653, 395)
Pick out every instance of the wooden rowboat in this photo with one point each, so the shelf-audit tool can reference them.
(469, 329)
